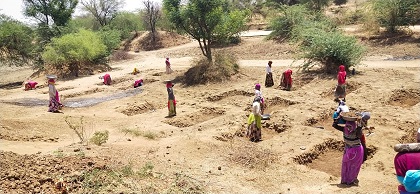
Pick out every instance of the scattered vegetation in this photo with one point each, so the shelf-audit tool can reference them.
(319, 40)
(136, 133)
(100, 137)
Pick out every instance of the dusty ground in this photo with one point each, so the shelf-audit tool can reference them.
(202, 149)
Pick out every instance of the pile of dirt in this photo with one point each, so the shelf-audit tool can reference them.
(163, 39)
(44, 173)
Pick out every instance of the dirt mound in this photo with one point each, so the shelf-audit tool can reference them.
(42, 174)
(135, 109)
(405, 97)
(228, 94)
(163, 40)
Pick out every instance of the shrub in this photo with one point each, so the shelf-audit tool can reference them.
(100, 137)
(110, 38)
(291, 16)
(331, 49)
(74, 50)
(222, 68)
(394, 13)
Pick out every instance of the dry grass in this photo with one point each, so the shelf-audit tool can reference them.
(250, 155)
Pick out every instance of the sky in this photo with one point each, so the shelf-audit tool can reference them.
(13, 8)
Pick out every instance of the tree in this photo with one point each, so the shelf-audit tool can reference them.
(15, 42)
(151, 15)
(394, 13)
(104, 11)
(71, 51)
(126, 22)
(50, 12)
(200, 19)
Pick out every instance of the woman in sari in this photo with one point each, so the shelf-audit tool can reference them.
(286, 80)
(340, 90)
(269, 75)
(254, 121)
(54, 105)
(171, 98)
(168, 66)
(353, 151)
(138, 83)
(407, 167)
(29, 85)
(258, 93)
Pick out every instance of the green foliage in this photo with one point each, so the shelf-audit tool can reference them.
(318, 38)
(291, 16)
(74, 50)
(100, 137)
(146, 170)
(126, 22)
(49, 12)
(86, 22)
(331, 49)
(201, 19)
(231, 26)
(16, 46)
(394, 13)
(111, 39)
(317, 5)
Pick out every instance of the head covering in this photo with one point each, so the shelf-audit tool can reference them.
(341, 76)
(257, 86)
(169, 83)
(365, 115)
(51, 80)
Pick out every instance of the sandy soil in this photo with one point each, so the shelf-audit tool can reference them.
(202, 149)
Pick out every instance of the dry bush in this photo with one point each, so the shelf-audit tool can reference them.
(252, 156)
(221, 69)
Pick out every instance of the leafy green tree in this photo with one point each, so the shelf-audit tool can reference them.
(126, 23)
(394, 13)
(110, 38)
(104, 11)
(72, 51)
(290, 17)
(50, 12)
(229, 29)
(16, 42)
(330, 49)
(200, 19)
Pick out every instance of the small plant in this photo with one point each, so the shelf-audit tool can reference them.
(133, 132)
(58, 153)
(149, 135)
(146, 170)
(100, 137)
(77, 127)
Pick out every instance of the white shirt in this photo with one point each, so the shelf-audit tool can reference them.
(52, 90)
(258, 93)
(268, 69)
(343, 108)
(256, 109)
